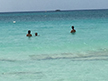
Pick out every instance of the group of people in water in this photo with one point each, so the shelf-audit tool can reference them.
(29, 34)
(36, 34)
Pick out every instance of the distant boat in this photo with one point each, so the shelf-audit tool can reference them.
(57, 10)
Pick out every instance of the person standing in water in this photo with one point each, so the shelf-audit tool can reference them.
(73, 30)
(29, 33)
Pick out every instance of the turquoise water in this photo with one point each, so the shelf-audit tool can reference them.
(55, 54)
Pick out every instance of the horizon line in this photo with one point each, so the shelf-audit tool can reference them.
(56, 10)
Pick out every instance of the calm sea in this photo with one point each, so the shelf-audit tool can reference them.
(56, 54)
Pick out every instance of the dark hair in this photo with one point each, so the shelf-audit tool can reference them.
(29, 31)
(72, 27)
(36, 34)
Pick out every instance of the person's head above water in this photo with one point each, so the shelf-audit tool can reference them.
(72, 27)
(29, 31)
(36, 34)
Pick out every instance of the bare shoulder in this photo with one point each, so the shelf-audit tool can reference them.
(29, 35)
(72, 31)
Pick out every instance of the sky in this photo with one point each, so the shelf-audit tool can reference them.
(51, 5)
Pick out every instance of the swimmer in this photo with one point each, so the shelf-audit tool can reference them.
(29, 35)
(73, 30)
(36, 34)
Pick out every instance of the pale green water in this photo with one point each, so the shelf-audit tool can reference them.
(55, 54)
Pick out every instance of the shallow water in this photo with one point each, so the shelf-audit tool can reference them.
(55, 54)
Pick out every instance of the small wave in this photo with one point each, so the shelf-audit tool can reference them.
(100, 55)
(8, 60)
(21, 73)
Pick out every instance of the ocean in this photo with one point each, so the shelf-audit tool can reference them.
(55, 54)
